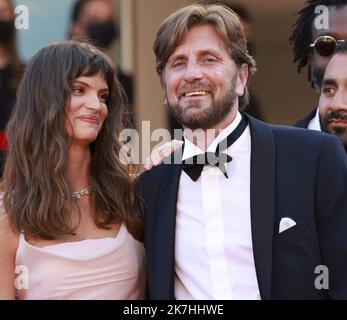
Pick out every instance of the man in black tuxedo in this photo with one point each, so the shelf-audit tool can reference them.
(313, 45)
(244, 210)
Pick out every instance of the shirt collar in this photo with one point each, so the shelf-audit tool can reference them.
(191, 150)
(314, 124)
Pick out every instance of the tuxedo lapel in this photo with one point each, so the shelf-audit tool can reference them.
(164, 238)
(262, 202)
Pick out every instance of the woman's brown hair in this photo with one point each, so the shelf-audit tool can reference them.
(35, 187)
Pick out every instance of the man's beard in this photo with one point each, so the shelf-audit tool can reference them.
(209, 117)
(341, 133)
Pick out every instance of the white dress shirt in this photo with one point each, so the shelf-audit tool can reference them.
(213, 247)
(314, 124)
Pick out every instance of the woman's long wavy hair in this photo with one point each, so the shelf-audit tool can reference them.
(35, 186)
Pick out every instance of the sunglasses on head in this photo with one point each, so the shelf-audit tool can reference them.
(325, 45)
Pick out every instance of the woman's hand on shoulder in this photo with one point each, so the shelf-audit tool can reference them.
(162, 152)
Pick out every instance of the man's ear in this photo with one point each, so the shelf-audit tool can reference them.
(162, 81)
(163, 86)
(242, 79)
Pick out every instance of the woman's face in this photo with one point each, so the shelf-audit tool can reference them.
(86, 109)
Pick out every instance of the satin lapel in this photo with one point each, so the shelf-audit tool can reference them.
(164, 239)
(263, 169)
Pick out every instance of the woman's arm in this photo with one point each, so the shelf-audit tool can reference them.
(8, 245)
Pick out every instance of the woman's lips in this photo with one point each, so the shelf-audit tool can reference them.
(90, 119)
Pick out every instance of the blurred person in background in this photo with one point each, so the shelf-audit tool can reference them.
(95, 19)
(10, 71)
(313, 48)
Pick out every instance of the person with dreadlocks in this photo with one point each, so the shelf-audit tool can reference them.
(313, 47)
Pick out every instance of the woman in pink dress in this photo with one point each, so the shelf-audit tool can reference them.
(70, 226)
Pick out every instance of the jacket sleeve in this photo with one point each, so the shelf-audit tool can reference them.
(331, 214)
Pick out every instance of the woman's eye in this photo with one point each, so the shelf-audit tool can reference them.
(104, 97)
(77, 90)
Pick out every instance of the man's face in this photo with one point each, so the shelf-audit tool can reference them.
(333, 98)
(201, 81)
(338, 30)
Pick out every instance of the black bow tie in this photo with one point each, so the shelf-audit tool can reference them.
(193, 166)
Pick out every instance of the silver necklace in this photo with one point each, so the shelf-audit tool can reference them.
(81, 193)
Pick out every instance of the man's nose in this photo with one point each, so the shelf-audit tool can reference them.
(193, 72)
(339, 103)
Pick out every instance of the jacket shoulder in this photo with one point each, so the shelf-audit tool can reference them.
(295, 132)
(304, 139)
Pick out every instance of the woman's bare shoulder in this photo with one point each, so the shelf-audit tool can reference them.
(8, 244)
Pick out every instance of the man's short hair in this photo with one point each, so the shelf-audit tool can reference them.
(340, 49)
(223, 19)
(239, 9)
